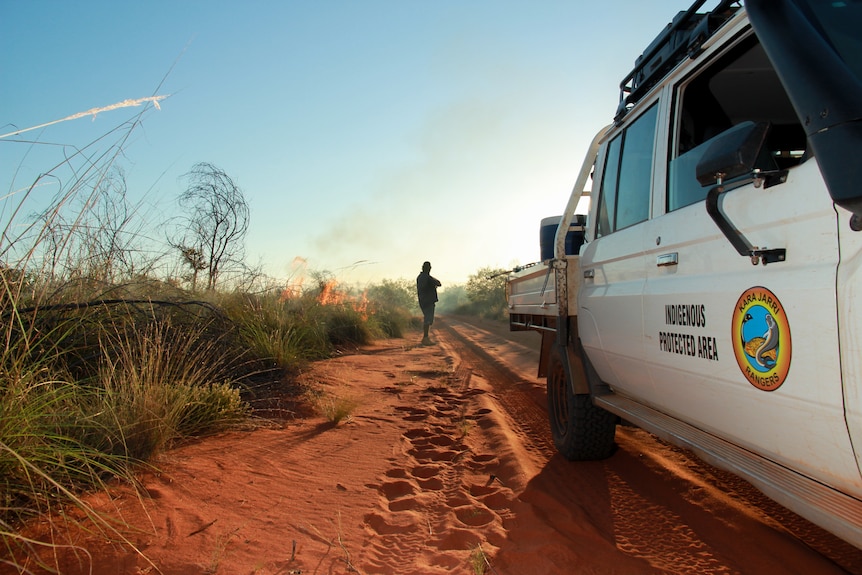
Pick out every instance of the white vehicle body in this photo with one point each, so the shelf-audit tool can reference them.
(713, 307)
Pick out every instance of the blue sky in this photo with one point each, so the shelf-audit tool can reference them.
(384, 132)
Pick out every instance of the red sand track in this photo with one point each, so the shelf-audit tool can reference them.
(447, 454)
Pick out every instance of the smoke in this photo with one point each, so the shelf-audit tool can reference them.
(461, 203)
(419, 208)
(479, 171)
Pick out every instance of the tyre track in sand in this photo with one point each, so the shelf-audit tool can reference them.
(650, 508)
(523, 401)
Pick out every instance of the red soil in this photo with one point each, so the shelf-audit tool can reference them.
(430, 470)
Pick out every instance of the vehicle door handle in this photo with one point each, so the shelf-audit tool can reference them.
(589, 274)
(670, 259)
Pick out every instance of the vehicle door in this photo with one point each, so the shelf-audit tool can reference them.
(609, 300)
(745, 350)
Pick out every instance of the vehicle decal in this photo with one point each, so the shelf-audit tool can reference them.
(687, 315)
(760, 332)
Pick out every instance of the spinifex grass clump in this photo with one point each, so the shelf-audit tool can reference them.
(281, 331)
(89, 392)
(121, 383)
(47, 452)
(345, 326)
(293, 331)
(43, 444)
(164, 383)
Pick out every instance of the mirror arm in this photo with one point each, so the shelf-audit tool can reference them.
(736, 239)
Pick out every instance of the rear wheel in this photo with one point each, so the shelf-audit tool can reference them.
(581, 430)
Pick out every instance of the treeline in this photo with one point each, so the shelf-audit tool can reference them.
(483, 295)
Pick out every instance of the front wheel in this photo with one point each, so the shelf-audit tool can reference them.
(581, 430)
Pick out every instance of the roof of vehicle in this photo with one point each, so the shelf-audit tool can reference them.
(680, 39)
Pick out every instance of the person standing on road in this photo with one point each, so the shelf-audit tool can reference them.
(426, 289)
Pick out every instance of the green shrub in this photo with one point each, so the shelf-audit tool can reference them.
(486, 290)
(392, 321)
(392, 304)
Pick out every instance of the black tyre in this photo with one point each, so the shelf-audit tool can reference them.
(581, 430)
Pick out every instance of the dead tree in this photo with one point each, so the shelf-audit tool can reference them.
(216, 223)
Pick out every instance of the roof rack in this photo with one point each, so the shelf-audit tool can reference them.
(682, 38)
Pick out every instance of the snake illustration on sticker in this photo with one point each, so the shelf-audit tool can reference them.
(761, 338)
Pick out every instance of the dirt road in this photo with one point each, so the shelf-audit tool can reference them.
(656, 503)
(444, 464)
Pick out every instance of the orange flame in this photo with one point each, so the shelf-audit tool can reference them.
(331, 295)
(293, 289)
(361, 305)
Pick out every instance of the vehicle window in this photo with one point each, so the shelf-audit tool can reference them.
(627, 176)
(607, 194)
(740, 86)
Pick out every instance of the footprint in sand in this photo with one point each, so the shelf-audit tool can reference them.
(445, 409)
(392, 490)
(417, 415)
(395, 523)
(486, 458)
(458, 500)
(424, 455)
(457, 539)
(497, 501)
(400, 494)
(433, 484)
(479, 463)
(417, 434)
(425, 471)
(442, 441)
(475, 516)
(477, 490)
(479, 414)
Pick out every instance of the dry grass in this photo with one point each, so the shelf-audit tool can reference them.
(479, 561)
(337, 409)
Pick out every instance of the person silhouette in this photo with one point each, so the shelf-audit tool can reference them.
(426, 289)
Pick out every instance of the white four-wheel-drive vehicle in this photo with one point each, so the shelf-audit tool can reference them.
(715, 298)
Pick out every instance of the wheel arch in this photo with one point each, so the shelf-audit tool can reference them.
(568, 343)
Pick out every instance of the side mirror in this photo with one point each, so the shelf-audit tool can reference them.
(732, 154)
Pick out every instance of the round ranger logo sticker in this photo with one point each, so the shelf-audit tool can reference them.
(761, 338)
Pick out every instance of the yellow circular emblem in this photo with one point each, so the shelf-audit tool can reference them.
(761, 338)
